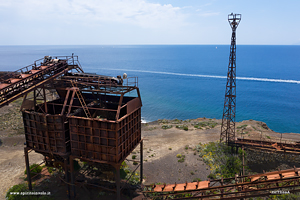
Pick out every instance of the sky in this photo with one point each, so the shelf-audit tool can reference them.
(138, 22)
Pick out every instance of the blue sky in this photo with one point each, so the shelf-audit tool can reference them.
(101, 22)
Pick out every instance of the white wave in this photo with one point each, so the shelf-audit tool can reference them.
(143, 120)
(211, 76)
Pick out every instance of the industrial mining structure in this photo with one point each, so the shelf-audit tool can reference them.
(70, 115)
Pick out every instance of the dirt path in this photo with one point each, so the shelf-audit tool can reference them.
(12, 162)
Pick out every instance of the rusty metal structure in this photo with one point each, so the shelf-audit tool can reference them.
(228, 119)
(239, 187)
(271, 146)
(16, 84)
(76, 116)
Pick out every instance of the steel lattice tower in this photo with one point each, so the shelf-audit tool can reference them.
(228, 119)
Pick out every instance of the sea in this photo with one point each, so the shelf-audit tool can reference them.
(188, 81)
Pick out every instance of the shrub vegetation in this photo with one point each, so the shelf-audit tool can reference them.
(220, 159)
(34, 169)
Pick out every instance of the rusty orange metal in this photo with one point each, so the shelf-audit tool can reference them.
(291, 147)
(230, 188)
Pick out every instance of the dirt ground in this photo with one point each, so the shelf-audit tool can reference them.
(160, 148)
(161, 164)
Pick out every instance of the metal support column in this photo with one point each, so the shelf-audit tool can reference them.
(118, 181)
(73, 193)
(243, 160)
(27, 168)
(67, 176)
(141, 161)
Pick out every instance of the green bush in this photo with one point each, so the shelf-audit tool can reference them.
(285, 196)
(76, 165)
(14, 193)
(182, 127)
(212, 176)
(181, 158)
(123, 173)
(178, 156)
(16, 188)
(196, 179)
(135, 163)
(126, 173)
(210, 124)
(50, 169)
(242, 126)
(166, 126)
(219, 158)
(37, 169)
(134, 157)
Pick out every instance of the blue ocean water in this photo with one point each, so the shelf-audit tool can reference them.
(188, 81)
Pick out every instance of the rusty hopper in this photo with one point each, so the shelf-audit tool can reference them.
(106, 127)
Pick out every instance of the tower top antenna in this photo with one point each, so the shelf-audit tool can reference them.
(234, 20)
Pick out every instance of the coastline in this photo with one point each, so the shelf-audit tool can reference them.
(163, 140)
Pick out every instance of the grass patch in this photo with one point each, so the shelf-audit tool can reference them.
(152, 128)
(181, 158)
(165, 126)
(210, 124)
(176, 121)
(182, 127)
(242, 126)
(198, 127)
(135, 163)
(134, 157)
(196, 179)
(163, 121)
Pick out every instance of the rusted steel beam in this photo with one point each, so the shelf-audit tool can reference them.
(16, 84)
(65, 102)
(288, 178)
(73, 192)
(31, 87)
(119, 107)
(291, 148)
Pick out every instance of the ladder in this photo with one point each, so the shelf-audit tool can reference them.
(81, 100)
